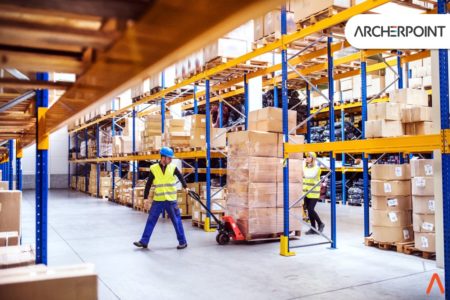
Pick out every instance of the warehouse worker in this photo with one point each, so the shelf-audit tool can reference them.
(311, 174)
(162, 175)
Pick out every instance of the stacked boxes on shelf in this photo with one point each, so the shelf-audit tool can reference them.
(73, 182)
(10, 206)
(81, 183)
(391, 203)
(423, 204)
(105, 182)
(218, 202)
(123, 144)
(197, 130)
(151, 135)
(384, 120)
(255, 197)
(416, 114)
(177, 135)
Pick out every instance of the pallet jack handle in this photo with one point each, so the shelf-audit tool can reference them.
(196, 197)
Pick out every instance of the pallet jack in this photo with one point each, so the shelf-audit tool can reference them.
(227, 228)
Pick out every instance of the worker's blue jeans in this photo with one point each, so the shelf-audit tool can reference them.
(171, 207)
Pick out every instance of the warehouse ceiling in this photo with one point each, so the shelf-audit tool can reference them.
(106, 43)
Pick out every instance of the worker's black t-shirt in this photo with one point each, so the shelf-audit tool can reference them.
(151, 177)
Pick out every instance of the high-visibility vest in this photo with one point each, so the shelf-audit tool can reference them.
(164, 183)
(311, 176)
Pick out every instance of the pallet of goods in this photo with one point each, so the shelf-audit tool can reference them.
(255, 180)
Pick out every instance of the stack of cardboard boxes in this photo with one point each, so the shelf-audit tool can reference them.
(254, 172)
(177, 135)
(391, 203)
(81, 183)
(407, 112)
(105, 182)
(4, 185)
(218, 202)
(197, 130)
(151, 135)
(416, 114)
(123, 144)
(10, 206)
(422, 187)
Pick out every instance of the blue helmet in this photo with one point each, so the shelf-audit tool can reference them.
(166, 151)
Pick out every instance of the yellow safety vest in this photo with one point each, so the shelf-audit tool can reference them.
(311, 178)
(164, 183)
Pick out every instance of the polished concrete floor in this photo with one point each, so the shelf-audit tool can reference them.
(85, 229)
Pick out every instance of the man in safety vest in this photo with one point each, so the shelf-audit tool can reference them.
(162, 176)
(311, 178)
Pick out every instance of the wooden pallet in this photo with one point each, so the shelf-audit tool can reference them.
(398, 246)
(318, 16)
(411, 250)
(238, 128)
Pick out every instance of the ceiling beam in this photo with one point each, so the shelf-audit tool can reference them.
(34, 62)
(34, 84)
(122, 9)
(19, 33)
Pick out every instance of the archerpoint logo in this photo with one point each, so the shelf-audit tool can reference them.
(399, 32)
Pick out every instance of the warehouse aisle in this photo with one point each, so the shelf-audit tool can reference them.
(85, 229)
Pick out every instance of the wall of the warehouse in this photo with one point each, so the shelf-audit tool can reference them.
(57, 162)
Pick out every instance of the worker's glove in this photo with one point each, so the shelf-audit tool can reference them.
(186, 190)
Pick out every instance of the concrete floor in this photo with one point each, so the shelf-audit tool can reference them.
(85, 229)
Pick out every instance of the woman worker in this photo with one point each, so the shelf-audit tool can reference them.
(311, 174)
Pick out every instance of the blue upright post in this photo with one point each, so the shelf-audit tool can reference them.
(113, 165)
(41, 172)
(133, 181)
(97, 165)
(18, 166)
(308, 113)
(68, 159)
(344, 179)
(86, 166)
(77, 150)
(246, 101)
(10, 164)
(284, 239)
(445, 125)
(207, 225)
(365, 158)
(332, 139)
(220, 126)
(195, 112)
(163, 106)
(275, 88)
(399, 70)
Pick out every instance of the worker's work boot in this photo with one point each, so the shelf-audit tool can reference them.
(321, 227)
(179, 247)
(309, 232)
(140, 245)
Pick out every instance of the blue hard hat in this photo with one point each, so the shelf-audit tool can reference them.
(166, 151)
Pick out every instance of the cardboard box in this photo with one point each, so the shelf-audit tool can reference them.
(387, 218)
(4, 185)
(16, 256)
(392, 234)
(295, 192)
(409, 96)
(218, 137)
(385, 111)
(419, 128)
(252, 169)
(423, 204)
(252, 195)
(382, 128)
(425, 241)
(295, 139)
(258, 28)
(423, 223)
(9, 238)
(390, 172)
(10, 205)
(390, 188)
(295, 170)
(197, 121)
(305, 8)
(417, 114)
(421, 168)
(391, 203)
(272, 22)
(198, 137)
(252, 143)
(422, 186)
(38, 283)
(270, 119)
